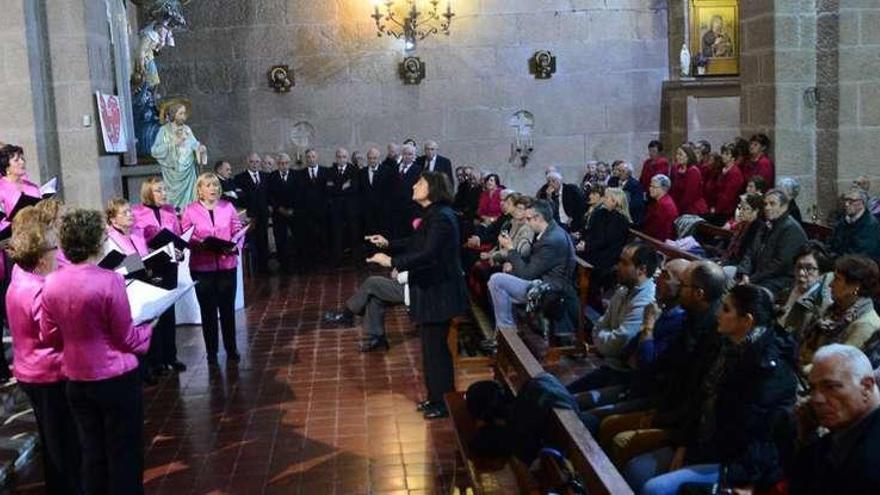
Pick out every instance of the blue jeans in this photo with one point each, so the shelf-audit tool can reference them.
(506, 290)
(643, 473)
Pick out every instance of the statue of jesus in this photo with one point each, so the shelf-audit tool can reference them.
(179, 153)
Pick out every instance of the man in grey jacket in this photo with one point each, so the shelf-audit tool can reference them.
(551, 261)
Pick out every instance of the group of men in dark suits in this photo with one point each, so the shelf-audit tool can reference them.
(320, 210)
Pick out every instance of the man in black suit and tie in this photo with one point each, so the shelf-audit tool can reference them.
(311, 210)
(228, 189)
(343, 189)
(282, 198)
(433, 162)
(392, 160)
(403, 209)
(254, 186)
(375, 191)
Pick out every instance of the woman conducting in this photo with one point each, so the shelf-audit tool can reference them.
(436, 282)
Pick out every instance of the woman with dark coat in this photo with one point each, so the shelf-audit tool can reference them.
(436, 283)
(603, 239)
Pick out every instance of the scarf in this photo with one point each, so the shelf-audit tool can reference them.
(836, 320)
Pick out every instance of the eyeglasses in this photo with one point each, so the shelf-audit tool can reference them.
(850, 201)
(806, 268)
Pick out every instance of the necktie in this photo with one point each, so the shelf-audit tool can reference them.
(312, 172)
(284, 177)
(371, 175)
(256, 177)
(402, 170)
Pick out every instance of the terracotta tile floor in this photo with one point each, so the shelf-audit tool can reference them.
(304, 412)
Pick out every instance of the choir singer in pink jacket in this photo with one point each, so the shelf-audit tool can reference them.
(86, 308)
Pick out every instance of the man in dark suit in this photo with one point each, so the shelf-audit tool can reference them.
(254, 185)
(343, 189)
(845, 400)
(552, 260)
(635, 194)
(392, 159)
(403, 209)
(433, 162)
(228, 189)
(375, 183)
(310, 213)
(568, 202)
(282, 198)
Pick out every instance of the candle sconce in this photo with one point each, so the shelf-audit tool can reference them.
(522, 146)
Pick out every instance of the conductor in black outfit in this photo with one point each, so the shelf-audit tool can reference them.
(311, 210)
(436, 282)
(343, 188)
(254, 186)
(375, 190)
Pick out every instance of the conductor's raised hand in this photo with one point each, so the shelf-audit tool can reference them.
(377, 240)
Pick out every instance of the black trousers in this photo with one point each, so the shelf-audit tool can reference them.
(58, 437)
(282, 229)
(163, 343)
(346, 230)
(109, 417)
(216, 291)
(437, 360)
(258, 241)
(311, 236)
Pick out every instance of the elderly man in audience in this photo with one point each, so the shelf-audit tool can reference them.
(662, 212)
(792, 188)
(635, 194)
(845, 400)
(857, 232)
(851, 319)
(769, 259)
(567, 200)
(467, 196)
(742, 426)
(551, 260)
(431, 161)
(811, 295)
(864, 183)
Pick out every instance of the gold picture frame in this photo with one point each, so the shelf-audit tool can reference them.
(715, 37)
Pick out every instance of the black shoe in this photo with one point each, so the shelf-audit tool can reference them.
(424, 405)
(177, 366)
(344, 318)
(373, 344)
(436, 411)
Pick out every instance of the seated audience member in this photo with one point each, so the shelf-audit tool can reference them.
(489, 207)
(745, 224)
(792, 188)
(37, 362)
(635, 194)
(594, 203)
(746, 401)
(660, 326)
(655, 164)
(661, 213)
(614, 180)
(603, 174)
(756, 185)
(857, 232)
(851, 319)
(94, 327)
(769, 259)
(810, 296)
(844, 399)
(725, 187)
(687, 183)
(542, 191)
(589, 176)
(864, 183)
(604, 237)
(467, 196)
(759, 163)
(623, 318)
(678, 371)
(551, 260)
(566, 200)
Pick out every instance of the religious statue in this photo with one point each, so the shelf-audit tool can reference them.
(179, 153)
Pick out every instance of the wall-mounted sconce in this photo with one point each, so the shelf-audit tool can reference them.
(522, 146)
(280, 78)
(542, 64)
(412, 70)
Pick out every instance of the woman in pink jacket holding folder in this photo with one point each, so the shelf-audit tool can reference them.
(86, 308)
(214, 269)
(151, 217)
(37, 361)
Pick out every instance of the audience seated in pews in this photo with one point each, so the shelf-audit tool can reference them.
(467, 196)
(768, 260)
(489, 207)
(744, 225)
(567, 201)
(605, 233)
(845, 400)
(857, 232)
(635, 194)
(589, 177)
(662, 212)
(792, 188)
(810, 296)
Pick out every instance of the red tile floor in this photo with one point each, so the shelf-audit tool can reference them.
(304, 412)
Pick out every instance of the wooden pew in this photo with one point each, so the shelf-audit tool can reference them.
(714, 239)
(553, 354)
(670, 252)
(817, 231)
(515, 365)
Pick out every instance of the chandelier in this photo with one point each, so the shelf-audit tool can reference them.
(416, 24)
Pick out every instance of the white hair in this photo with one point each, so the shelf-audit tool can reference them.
(850, 359)
(662, 181)
(554, 175)
(505, 193)
(408, 147)
(627, 166)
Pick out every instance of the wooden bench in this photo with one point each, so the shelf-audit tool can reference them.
(553, 354)
(458, 360)
(817, 231)
(671, 252)
(515, 365)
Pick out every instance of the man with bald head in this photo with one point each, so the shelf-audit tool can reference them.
(433, 162)
(254, 184)
(392, 159)
(282, 198)
(845, 400)
(343, 189)
(375, 182)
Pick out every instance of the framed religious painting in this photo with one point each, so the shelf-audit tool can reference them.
(714, 34)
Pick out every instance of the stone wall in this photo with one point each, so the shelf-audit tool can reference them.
(603, 103)
(714, 119)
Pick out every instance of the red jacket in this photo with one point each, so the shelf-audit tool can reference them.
(654, 167)
(764, 167)
(687, 191)
(726, 191)
(659, 218)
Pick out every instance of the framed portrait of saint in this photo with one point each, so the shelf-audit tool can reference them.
(714, 34)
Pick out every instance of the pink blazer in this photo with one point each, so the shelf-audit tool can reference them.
(132, 243)
(225, 225)
(145, 220)
(92, 323)
(35, 360)
(9, 193)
